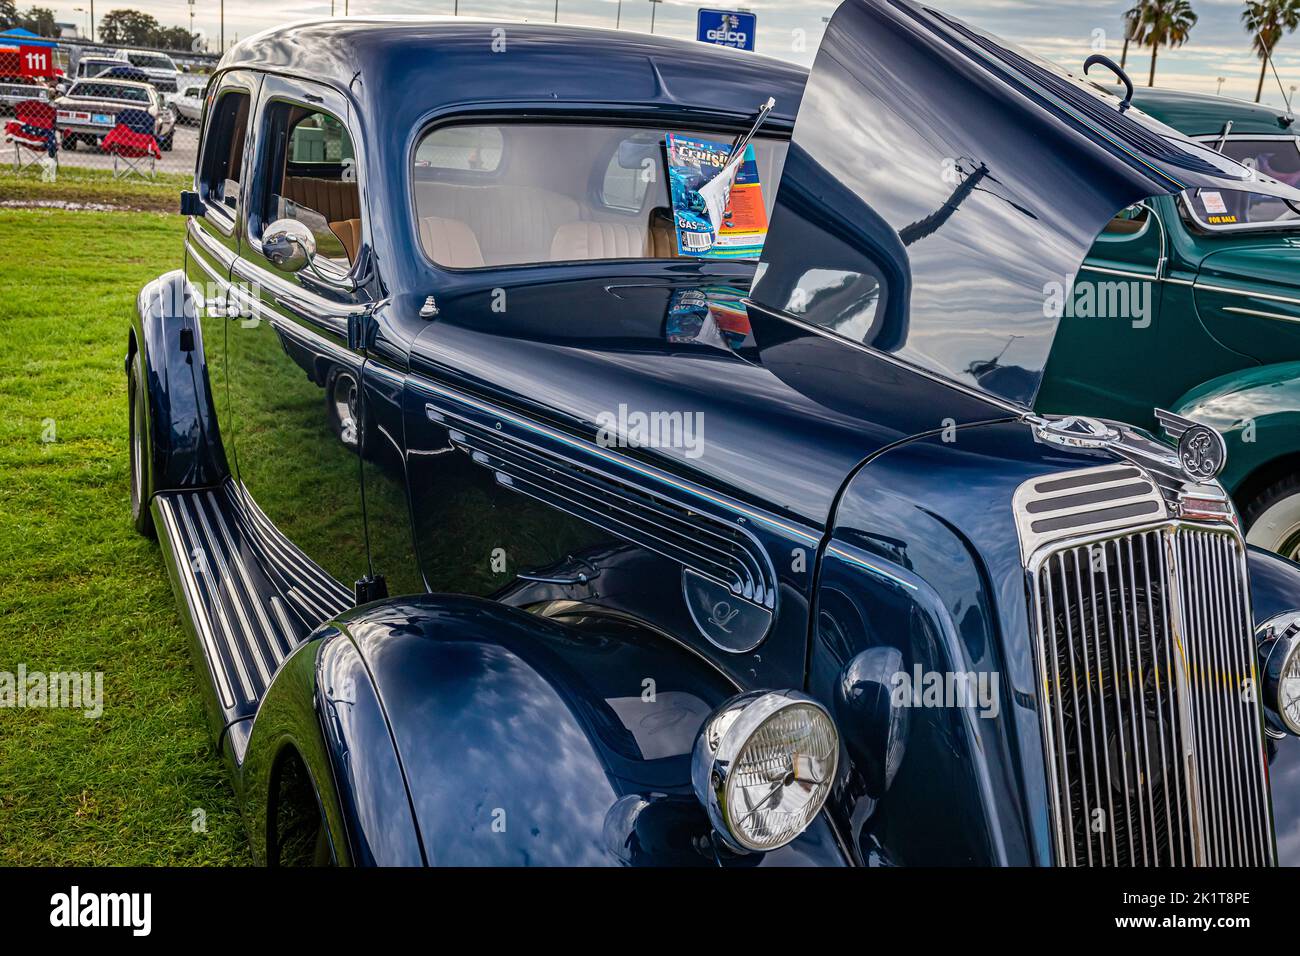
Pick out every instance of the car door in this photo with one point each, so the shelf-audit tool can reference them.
(212, 238)
(293, 371)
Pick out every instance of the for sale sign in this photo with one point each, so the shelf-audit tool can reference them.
(726, 28)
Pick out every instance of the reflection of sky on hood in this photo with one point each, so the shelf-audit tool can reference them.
(979, 277)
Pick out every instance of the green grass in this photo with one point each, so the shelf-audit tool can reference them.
(96, 186)
(79, 589)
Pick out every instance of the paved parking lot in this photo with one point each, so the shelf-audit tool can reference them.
(179, 160)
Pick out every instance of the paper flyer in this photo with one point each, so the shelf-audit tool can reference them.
(717, 201)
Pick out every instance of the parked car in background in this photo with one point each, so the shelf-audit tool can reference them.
(187, 104)
(89, 110)
(1219, 338)
(511, 528)
(159, 67)
(19, 89)
(89, 67)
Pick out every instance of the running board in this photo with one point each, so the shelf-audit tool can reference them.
(249, 594)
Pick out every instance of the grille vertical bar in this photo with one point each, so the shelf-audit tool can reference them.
(1152, 728)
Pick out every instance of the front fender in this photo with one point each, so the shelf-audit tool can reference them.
(525, 741)
(1258, 413)
(185, 446)
(323, 707)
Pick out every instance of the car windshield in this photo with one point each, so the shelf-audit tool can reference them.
(1236, 210)
(110, 91)
(532, 193)
(151, 61)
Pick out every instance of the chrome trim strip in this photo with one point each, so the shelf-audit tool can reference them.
(1263, 315)
(1149, 276)
(1247, 294)
(619, 461)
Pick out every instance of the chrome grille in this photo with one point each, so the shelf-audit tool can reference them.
(1146, 664)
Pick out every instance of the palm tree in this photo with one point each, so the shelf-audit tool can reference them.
(1132, 32)
(1163, 23)
(1267, 20)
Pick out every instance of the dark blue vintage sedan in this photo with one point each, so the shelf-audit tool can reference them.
(516, 523)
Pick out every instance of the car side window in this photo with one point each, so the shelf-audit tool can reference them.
(1129, 222)
(310, 177)
(223, 150)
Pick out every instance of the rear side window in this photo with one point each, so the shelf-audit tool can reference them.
(223, 149)
(311, 177)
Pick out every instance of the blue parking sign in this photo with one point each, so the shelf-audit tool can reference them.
(727, 28)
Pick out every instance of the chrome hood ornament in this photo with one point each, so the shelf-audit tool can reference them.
(1078, 432)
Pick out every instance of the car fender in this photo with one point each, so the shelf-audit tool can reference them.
(322, 706)
(1257, 411)
(527, 741)
(185, 447)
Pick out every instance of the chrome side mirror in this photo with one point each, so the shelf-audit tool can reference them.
(289, 244)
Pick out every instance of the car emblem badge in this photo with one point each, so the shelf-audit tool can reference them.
(1202, 453)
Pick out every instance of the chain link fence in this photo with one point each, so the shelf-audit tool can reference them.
(93, 112)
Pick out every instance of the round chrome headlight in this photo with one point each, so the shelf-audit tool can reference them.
(763, 766)
(1279, 655)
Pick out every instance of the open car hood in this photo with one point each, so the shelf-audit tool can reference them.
(943, 189)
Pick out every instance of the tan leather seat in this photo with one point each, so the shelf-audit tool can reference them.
(450, 242)
(349, 233)
(663, 236)
(334, 199)
(598, 240)
(511, 223)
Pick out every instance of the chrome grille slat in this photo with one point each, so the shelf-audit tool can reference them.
(1143, 656)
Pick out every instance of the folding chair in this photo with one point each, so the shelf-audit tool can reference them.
(132, 144)
(35, 139)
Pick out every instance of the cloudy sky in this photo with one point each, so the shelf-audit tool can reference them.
(1063, 30)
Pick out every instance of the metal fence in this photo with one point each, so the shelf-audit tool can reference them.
(70, 104)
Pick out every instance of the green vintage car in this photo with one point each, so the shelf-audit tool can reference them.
(1192, 304)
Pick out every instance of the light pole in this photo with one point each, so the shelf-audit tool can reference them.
(618, 18)
(191, 4)
(653, 6)
(223, 26)
(557, 11)
(92, 21)
(1219, 91)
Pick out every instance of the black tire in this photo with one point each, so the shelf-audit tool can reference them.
(69, 141)
(165, 144)
(140, 450)
(1272, 517)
